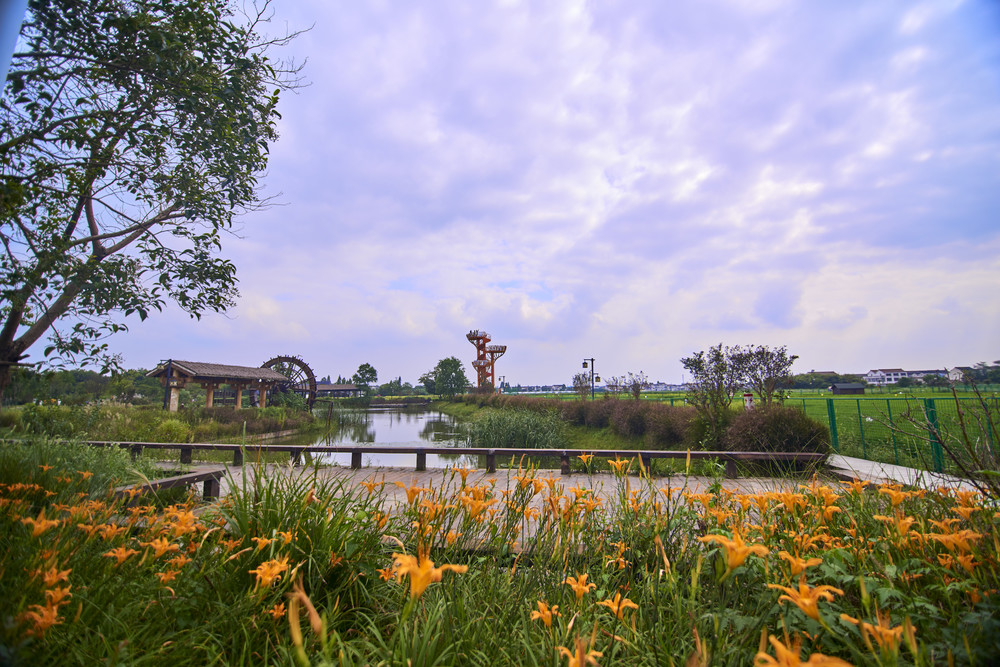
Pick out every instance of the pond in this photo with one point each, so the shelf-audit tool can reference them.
(395, 427)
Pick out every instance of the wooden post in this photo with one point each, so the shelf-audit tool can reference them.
(175, 398)
(209, 393)
(421, 460)
(731, 471)
(646, 462)
(356, 460)
(296, 455)
(135, 451)
(491, 461)
(239, 397)
(212, 489)
(185, 454)
(564, 463)
(237, 457)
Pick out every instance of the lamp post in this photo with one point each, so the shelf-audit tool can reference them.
(593, 378)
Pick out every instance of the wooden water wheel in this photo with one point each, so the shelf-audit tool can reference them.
(301, 379)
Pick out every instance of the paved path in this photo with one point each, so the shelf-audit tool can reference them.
(878, 473)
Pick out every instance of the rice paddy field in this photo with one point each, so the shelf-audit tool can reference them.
(302, 569)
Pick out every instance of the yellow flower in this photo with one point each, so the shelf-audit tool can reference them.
(277, 611)
(580, 656)
(40, 524)
(579, 585)
(270, 571)
(421, 571)
(736, 550)
(168, 576)
(121, 554)
(807, 597)
(545, 613)
(372, 486)
(618, 605)
(788, 656)
(261, 541)
(179, 561)
(585, 458)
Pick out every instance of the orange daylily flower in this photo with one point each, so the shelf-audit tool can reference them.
(788, 656)
(621, 466)
(277, 611)
(545, 613)
(807, 597)
(736, 550)
(168, 576)
(42, 617)
(798, 565)
(270, 571)
(579, 585)
(161, 546)
(421, 571)
(261, 541)
(40, 524)
(121, 554)
(882, 632)
(618, 605)
(57, 596)
(580, 656)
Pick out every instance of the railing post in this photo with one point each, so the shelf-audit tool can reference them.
(135, 451)
(731, 470)
(421, 460)
(356, 460)
(212, 489)
(564, 463)
(185, 455)
(491, 461)
(296, 455)
(646, 462)
(832, 414)
(237, 457)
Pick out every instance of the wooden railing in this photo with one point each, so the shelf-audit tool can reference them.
(564, 455)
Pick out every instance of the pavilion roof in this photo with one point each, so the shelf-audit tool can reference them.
(200, 369)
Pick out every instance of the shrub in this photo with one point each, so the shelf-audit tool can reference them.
(628, 418)
(669, 427)
(776, 429)
(172, 430)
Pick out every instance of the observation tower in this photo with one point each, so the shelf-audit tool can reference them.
(486, 357)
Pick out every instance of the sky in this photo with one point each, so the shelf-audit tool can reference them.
(629, 181)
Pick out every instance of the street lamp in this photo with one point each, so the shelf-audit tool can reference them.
(593, 378)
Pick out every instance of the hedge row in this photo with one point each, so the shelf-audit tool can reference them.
(661, 426)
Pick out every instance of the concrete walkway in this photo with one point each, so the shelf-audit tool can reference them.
(881, 473)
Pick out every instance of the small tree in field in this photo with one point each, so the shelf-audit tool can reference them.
(581, 385)
(636, 383)
(616, 384)
(449, 377)
(765, 370)
(715, 379)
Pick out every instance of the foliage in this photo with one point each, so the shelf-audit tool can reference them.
(764, 369)
(123, 424)
(364, 377)
(465, 570)
(449, 378)
(775, 428)
(79, 386)
(517, 429)
(287, 399)
(715, 379)
(636, 384)
(122, 161)
(582, 386)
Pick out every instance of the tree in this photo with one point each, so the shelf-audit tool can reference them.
(449, 377)
(427, 379)
(764, 370)
(715, 379)
(365, 376)
(636, 383)
(581, 385)
(123, 159)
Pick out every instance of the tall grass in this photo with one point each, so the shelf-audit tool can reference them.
(518, 429)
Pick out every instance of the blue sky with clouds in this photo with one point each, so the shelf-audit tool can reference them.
(631, 181)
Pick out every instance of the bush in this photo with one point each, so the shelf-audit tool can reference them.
(776, 429)
(172, 430)
(669, 427)
(628, 418)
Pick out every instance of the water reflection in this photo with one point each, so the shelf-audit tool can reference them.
(389, 427)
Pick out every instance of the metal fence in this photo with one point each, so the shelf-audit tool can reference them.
(925, 433)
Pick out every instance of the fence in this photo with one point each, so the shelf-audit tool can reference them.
(912, 432)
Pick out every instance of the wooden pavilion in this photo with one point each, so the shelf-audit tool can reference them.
(178, 374)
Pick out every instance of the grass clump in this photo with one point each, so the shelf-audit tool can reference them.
(517, 429)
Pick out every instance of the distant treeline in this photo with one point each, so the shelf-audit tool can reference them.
(77, 387)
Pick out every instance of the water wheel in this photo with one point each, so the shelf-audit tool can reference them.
(301, 379)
